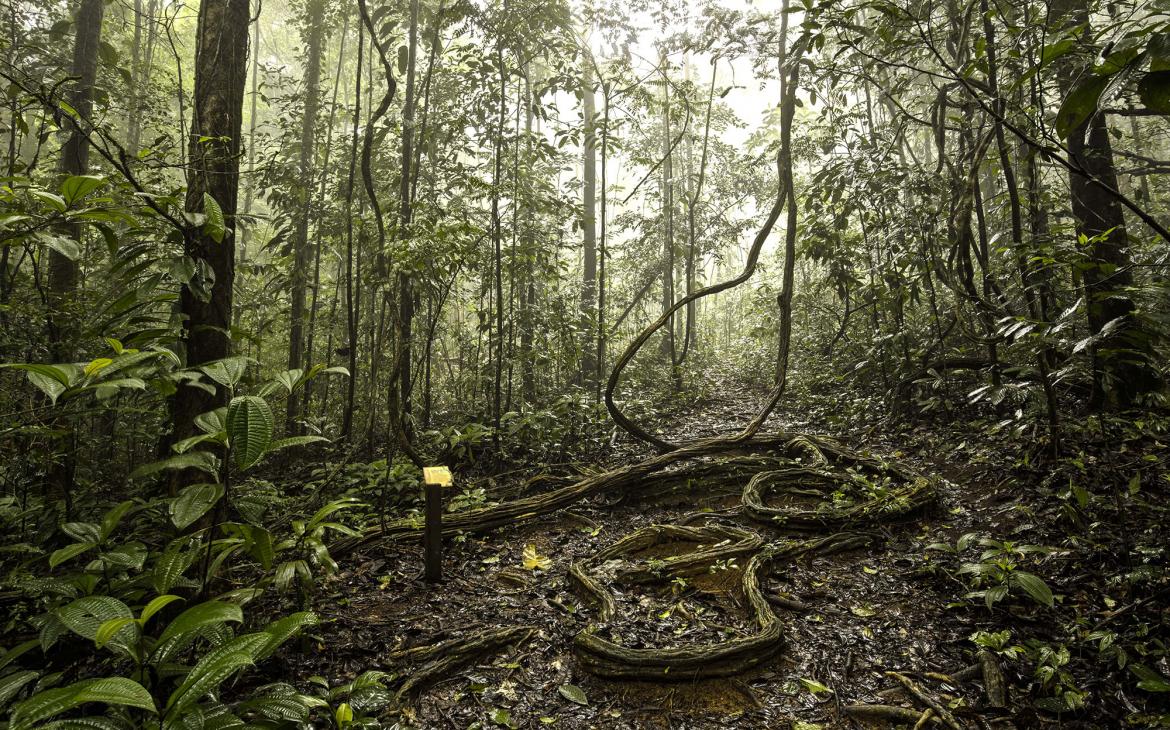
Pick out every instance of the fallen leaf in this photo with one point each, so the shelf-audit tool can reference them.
(535, 561)
(573, 693)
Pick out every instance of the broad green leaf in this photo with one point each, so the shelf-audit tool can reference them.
(69, 551)
(132, 555)
(1033, 586)
(47, 385)
(113, 516)
(11, 684)
(1079, 105)
(76, 187)
(182, 447)
(170, 566)
(157, 605)
(282, 630)
(291, 441)
(50, 703)
(227, 372)
(201, 460)
(54, 201)
(64, 245)
(55, 372)
(200, 615)
(1055, 50)
(112, 628)
(194, 502)
(216, 666)
(212, 422)
(83, 531)
(87, 614)
(214, 224)
(95, 366)
(249, 424)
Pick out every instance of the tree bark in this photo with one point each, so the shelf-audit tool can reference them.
(589, 231)
(63, 271)
(314, 25)
(221, 64)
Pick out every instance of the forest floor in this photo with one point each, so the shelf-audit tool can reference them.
(866, 612)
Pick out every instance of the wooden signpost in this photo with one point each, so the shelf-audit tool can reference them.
(435, 478)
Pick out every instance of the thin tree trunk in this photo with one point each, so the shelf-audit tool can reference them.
(314, 23)
(351, 303)
(588, 373)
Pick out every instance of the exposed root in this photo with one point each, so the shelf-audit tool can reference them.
(609, 659)
(871, 492)
(447, 656)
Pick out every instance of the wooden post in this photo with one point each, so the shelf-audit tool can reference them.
(435, 478)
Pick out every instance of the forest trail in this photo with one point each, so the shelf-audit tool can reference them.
(846, 619)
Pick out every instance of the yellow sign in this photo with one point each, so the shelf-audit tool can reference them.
(440, 475)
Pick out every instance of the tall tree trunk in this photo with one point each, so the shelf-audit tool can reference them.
(497, 234)
(221, 65)
(351, 303)
(133, 126)
(406, 303)
(63, 271)
(250, 187)
(589, 230)
(528, 283)
(1120, 354)
(315, 305)
(314, 26)
(601, 335)
(668, 346)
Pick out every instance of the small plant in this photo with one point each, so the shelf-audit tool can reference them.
(997, 572)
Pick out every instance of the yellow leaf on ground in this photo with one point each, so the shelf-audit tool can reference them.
(535, 561)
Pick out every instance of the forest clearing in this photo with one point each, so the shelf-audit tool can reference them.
(794, 364)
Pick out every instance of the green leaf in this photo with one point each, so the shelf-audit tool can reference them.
(291, 441)
(110, 629)
(47, 385)
(157, 605)
(11, 684)
(201, 460)
(109, 691)
(68, 552)
(573, 693)
(198, 616)
(54, 372)
(214, 668)
(76, 187)
(1154, 91)
(1055, 50)
(170, 566)
(194, 502)
(249, 424)
(67, 247)
(87, 614)
(213, 225)
(113, 516)
(282, 630)
(227, 372)
(1079, 105)
(343, 715)
(1033, 586)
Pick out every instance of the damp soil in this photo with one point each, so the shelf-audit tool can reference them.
(858, 615)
